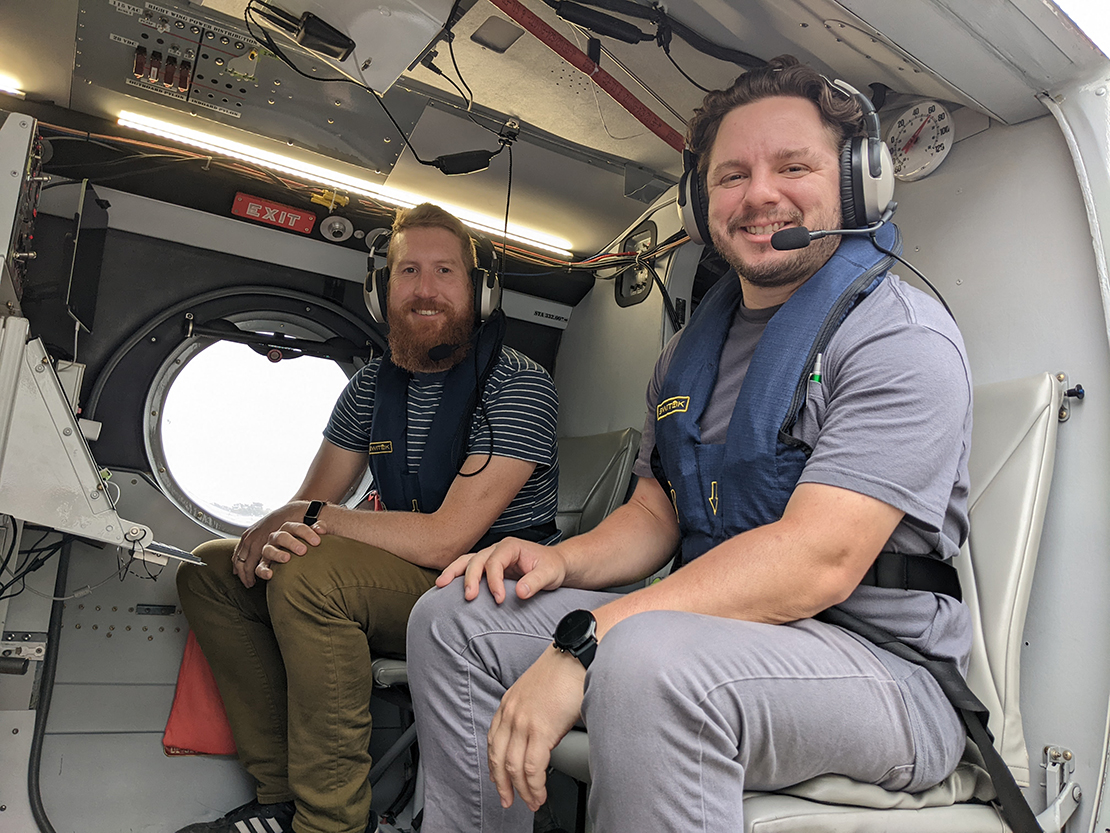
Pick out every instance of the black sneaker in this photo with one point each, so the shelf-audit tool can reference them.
(252, 817)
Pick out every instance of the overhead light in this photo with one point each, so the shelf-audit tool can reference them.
(487, 224)
(10, 86)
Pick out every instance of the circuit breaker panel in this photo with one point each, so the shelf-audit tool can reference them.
(206, 64)
(21, 179)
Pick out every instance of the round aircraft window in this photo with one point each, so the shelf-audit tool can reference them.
(230, 433)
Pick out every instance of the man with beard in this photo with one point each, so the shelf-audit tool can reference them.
(290, 615)
(786, 483)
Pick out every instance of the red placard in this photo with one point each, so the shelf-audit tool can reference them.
(273, 213)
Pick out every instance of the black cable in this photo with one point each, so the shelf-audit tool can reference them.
(672, 313)
(11, 547)
(501, 323)
(46, 691)
(267, 41)
(667, 52)
(508, 197)
(928, 283)
(455, 64)
(458, 72)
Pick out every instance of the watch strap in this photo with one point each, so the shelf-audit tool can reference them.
(586, 653)
(312, 514)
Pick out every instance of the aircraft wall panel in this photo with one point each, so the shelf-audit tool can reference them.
(1001, 230)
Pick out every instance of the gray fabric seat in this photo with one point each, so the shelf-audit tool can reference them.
(1012, 456)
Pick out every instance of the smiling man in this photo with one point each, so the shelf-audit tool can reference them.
(806, 446)
(459, 433)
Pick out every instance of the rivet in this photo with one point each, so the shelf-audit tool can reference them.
(15, 731)
(67, 431)
(1100, 91)
(959, 281)
(150, 639)
(127, 628)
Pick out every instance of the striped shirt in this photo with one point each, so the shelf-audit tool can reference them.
(521, 408)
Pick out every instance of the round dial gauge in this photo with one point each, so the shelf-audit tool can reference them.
(919, 139)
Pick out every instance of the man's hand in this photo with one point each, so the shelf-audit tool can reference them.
(294, 538)
(535, 567)
(535, 714)
(248, 552)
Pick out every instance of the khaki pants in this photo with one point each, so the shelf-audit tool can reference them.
(291, 657)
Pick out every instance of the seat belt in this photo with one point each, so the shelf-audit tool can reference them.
(1015, 809)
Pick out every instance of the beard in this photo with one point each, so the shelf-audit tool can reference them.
(792, 268)
(410, 340)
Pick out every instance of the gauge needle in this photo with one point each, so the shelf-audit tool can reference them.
(913, 139)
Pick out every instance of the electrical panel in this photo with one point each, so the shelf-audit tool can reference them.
(633, 285)
(20, 180)
(206, 64)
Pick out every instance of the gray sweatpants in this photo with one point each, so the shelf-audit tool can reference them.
(684, 711)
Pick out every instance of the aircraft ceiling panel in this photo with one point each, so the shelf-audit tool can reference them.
(530, 82)
(204, 63)
(555, 194)
(1000, 54)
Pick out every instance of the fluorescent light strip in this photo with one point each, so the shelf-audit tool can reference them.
(295, 167)
(10, 86)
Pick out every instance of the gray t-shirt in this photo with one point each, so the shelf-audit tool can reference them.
(891, 419)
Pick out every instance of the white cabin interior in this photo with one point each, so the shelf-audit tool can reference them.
(1013, 230)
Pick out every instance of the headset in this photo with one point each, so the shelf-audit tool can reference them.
(866, 177)
(484, 277)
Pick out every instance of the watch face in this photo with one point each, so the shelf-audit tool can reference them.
(574, 628)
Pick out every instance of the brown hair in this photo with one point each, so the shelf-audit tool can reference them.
(427, 215)
(785, 75)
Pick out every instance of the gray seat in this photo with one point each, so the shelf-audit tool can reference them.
(594, 476)
(1013, 450)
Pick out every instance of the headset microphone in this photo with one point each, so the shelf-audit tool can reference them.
(798, 237)
(442, 351)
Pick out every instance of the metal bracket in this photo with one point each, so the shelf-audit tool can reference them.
(1070, 393)
(1061, 794)
(23, 645)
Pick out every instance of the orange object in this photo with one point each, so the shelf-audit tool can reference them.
(197, 724)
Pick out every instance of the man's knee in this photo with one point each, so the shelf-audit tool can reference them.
(435, 611)
(633, 658)
(199, 582)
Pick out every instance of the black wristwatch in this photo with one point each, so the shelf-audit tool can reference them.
(312, 515)
(576, 634)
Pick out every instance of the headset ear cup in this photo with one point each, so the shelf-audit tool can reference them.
(376, 293)
(487, 294)
(851, 196)
(693, 201)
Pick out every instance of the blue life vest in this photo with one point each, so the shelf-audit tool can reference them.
(721, 490)
(424, 488)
